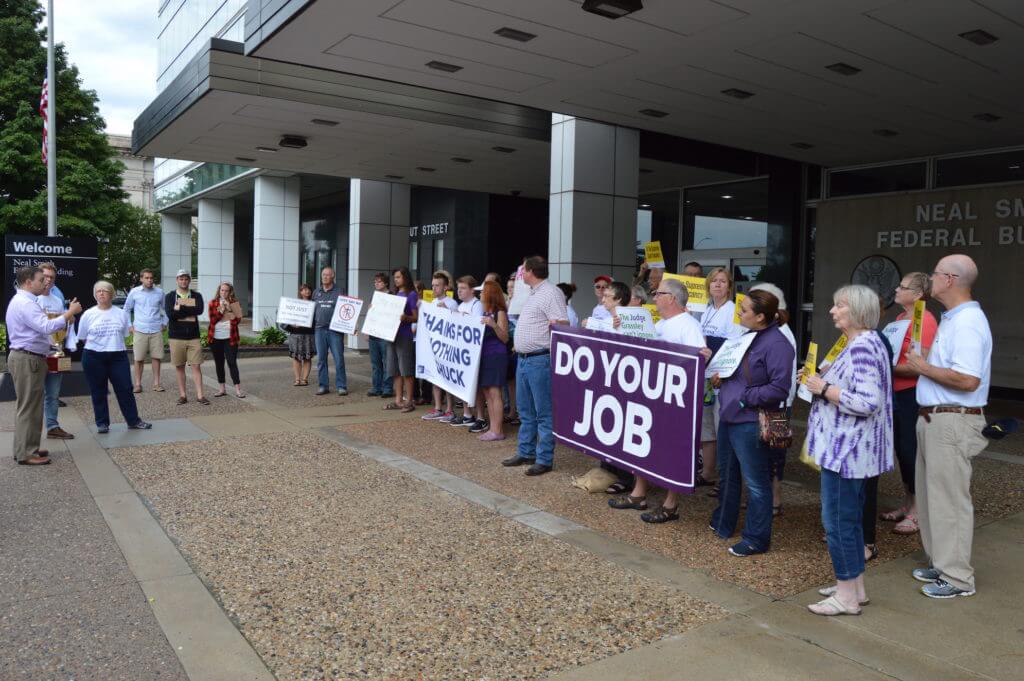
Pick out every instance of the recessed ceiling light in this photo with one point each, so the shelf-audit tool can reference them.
(268, 150)
(459, 159)
(885, 132)
(646, 171)
(1015, 166)
(979, 37)
(504, 150)
(394, 177)
(425, 169)
(245, 159)
(987, 117)
(726, 196)
(442, 66)
(737, 93)
(645, 205)
(843, 69)
(513, 34)
(747, 217)
(802, 145)
(324, 121)
(612, 9)
(654, 113)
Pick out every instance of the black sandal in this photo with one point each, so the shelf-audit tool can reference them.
(628, 502)
(660, 515)
(872, 552)
(617, 488)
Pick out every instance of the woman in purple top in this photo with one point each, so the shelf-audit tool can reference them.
(402, 353)
(762, 381)
(493, 358)
(849, 434)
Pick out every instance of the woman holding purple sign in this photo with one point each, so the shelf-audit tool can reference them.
(762, 381)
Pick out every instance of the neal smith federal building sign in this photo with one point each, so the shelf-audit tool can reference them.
(876, 239)
(74, 258)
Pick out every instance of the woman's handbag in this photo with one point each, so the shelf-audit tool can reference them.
(774, 429)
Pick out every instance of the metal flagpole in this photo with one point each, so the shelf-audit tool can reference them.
(51, 136)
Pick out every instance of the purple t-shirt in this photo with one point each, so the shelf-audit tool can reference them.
(405, 328)
(492, 345)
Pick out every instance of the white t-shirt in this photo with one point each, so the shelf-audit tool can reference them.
(963, 343)
(447, 303)
(574, 319)
(784, 328)
(474, 308)
(104, 330)
(682, 329)
(600, 312)
(718, 321)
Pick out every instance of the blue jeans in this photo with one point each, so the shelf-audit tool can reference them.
(101, 367)
(533, 398)
(327, 339)
(51, 395)
(842, 503)
(741, 454)
(378, 361)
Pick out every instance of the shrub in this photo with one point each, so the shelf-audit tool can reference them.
(272, 336)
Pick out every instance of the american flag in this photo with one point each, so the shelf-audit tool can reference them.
(44, 105)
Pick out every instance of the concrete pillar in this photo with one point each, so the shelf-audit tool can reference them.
(378, 237)
(175, 248)
(216, 227)
(275, 248)
(592, 210)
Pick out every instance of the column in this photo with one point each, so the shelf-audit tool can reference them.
(378, 237)
(175, 247)
(592, 210)
(216, 227)
(275, 250)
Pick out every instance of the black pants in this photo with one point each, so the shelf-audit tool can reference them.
(222, 349)
(870, 520)
(101, 367)
(904, 432)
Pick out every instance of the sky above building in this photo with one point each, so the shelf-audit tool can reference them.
(114, 45)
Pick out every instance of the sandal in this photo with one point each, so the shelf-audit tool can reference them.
(158, 389)
(907, 526)
(715, 491)
(203, 401)
(776, 511)
(409, 407)
(893, 516)
(660, 515)
(304, 382)
(391, 406)
(830, 607)
(297, 383)
(137, 389)
(831, 591)
(182, 400)
(628, 502)
(222, 393)
(872, 552)
(617, 488)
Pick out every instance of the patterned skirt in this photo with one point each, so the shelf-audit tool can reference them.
(301, 346)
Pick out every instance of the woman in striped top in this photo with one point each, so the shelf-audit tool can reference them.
(849, 434)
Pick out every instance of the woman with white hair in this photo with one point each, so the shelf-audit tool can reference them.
(849, 434)
(103, 329)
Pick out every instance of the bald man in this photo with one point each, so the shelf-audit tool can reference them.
(952, 392)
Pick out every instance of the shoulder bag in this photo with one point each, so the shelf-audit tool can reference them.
(774, 429)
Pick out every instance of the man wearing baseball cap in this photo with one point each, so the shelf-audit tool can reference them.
(601, 284)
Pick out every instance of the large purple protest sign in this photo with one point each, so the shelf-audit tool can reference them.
(632, 402)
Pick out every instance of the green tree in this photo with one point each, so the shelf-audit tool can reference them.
(132, 247)
(89, 194)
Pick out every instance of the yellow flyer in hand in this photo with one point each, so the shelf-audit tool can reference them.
(736, 314)
(836, 349)
(653, 254)
(916, 326)
(811, 364)
(696, 288)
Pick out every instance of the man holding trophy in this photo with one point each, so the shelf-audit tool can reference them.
(52, 303)
(28, 336)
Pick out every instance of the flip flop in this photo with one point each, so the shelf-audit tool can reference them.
(391, 406)
(159, 389)
(830, 607)
(408, 408)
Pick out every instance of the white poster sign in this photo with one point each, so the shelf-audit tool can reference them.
(729, 356)
(595, 324)
(519, 294)
(346, 313)
(895, 333)
(295, 311)
(635, 321)
(384, 316)
(448, 348)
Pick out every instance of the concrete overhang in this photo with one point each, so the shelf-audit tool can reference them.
(225, 106)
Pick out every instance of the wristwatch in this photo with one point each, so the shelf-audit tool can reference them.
(825, 390)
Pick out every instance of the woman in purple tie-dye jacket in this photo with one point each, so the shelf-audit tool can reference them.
(849, 434)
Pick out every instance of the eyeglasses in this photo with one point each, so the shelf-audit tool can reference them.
(662, 293)
(600, 287)
(945, 274)
(901, 287)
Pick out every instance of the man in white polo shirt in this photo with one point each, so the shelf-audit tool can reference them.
(952, 393)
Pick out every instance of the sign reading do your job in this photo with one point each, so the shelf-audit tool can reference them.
(634, 403)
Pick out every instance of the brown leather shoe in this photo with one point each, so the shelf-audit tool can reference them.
(41, 452)
(35, 461)
(59, 433)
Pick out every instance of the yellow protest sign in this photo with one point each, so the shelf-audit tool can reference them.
(736, 314)
(654, 312)
(916, 326)
(653, 255)
(836, 349)
(695, 287)
(428, 295)
(811, 364)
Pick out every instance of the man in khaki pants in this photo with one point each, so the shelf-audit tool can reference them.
(952, 393)
(28, 336)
